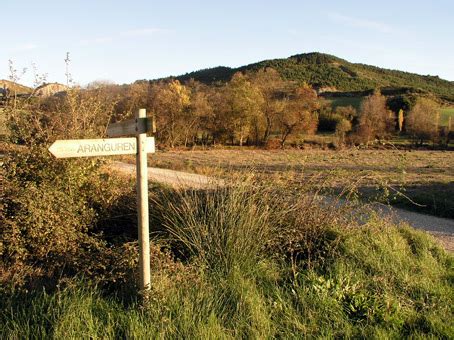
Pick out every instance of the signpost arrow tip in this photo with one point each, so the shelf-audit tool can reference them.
(52, 149)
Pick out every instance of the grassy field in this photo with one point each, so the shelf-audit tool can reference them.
(445, 114)
(346, 101)
(427, 177)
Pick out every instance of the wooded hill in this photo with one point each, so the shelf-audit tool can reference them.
(331, 74)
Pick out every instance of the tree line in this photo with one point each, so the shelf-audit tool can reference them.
(253, 108)
(247, 110)
(261, 108)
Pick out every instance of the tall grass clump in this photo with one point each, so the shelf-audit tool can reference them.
(223, 232)
(224, 228)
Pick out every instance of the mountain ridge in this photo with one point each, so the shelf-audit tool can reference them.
(331, 72)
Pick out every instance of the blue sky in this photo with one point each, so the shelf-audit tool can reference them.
(123, 41)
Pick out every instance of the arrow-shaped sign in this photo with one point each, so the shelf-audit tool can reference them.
(98, 147)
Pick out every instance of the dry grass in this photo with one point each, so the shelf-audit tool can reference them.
(425, 176)
(398, 165)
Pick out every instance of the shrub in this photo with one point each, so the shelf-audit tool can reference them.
(342, 128)
(51, 207)
(53, 212)
(328, 122)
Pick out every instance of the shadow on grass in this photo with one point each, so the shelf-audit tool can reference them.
(436, 199)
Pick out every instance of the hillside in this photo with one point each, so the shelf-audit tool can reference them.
(327, 72)
(12, 86)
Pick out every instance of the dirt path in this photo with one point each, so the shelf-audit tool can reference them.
(176, 179)
(441, 228)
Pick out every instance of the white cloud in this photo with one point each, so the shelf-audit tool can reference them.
(361, 23)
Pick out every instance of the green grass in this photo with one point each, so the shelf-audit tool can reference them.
(346, 101)
(255, 263)
(445, 114)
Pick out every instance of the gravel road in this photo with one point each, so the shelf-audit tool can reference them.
(176, 179)
(441, 228)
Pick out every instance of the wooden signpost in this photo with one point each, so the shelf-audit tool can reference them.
(128, 127)
(140, 145)
(98, 147)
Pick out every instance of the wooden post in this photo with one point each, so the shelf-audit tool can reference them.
(142, 208)
(140, 145)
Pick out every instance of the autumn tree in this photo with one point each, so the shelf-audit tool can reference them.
(170, 104)
(243, 108)
(200, 113)
(217, 126)
(272, 87)
(400, 119)
(423, 120)
(375, 120)
(298, 114)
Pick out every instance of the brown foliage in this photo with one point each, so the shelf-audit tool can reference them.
(299, 113)
(423, 120)
(375, 121)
